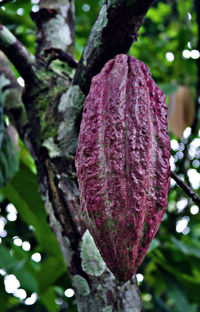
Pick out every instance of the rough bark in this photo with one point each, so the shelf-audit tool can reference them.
(53, 106)
(113, 33)
(55, 25)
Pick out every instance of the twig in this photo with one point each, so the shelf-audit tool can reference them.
(12, 102)
(113, 33)
(61, 55)
(4, 2)
(186, 188)
(18, 55)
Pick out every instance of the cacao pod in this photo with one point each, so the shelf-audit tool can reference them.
(123, 162)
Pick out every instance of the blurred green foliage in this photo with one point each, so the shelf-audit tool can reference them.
(169, 277)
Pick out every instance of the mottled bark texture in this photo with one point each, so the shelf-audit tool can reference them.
(55, 25)
(113, 33)
(53, 105)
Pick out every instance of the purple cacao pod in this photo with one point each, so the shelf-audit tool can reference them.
(123, 162)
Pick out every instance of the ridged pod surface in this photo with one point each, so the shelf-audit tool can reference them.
(123, 162)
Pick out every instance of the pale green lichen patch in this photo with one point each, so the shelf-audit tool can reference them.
(53, 149)
(99, 287)
(84, 57)
(3, 82)
(72, 99)
(95, 38)
(107, 309)
(81, 285)
(58, 32)
(77, 96)
(70, 105)
(62, 130)
(64, 101)
(102, 20)
(92, 262)
(111, 2)
(62, 69)
(7, 38)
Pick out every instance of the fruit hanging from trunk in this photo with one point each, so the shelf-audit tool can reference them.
(123, 162)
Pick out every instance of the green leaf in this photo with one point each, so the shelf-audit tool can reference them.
(26, 158)
(15, 262)
(50, 270)
(167, 88)
(154, 244)
(3, 296)
(6, 260)
(48, 299)
(23, 192)
(160, 305)
(178, 294)
(192, 249)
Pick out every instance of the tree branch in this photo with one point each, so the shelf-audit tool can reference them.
(113, 33)
(55, 26)
(4, 2)
(186, 188)
(12, 102)
(17, 54)
(59, 54)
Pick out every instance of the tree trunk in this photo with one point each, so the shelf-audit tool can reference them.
(53, 101)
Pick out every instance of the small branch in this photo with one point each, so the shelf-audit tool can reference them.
(12, 102)
(186, 188)
(17, 54)
(61, 55)
(113, 33)
(4, 2)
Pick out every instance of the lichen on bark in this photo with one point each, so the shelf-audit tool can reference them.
(92, 262)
